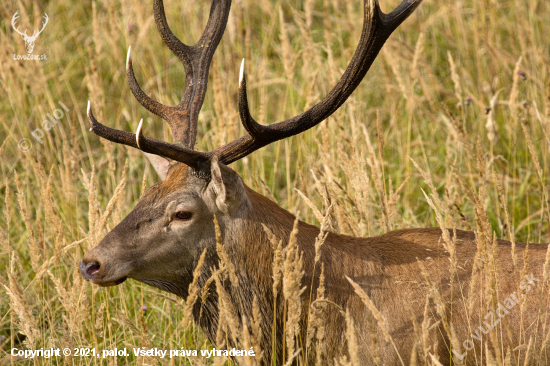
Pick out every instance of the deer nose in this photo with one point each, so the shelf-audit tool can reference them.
(89, 270)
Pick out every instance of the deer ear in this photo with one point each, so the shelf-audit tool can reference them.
(226, 186)
(159, 163)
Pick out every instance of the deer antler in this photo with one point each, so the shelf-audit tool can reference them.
(35, 34)
(377, 27)
(196, 60)
(13, 19)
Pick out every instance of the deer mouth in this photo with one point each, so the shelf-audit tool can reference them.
(92, 272)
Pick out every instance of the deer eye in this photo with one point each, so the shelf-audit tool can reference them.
(184, 215)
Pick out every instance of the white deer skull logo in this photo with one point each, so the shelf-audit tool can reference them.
(29, 40)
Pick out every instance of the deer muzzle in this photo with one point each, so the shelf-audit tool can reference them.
(97, 273)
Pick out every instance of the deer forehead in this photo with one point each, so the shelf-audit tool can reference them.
(179, 180)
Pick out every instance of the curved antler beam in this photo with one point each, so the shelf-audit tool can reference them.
(377, 27)
(195, 159)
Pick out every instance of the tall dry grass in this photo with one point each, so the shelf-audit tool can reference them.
(451, 128)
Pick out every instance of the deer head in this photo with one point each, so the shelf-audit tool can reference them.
(160, 241)
(29, 40)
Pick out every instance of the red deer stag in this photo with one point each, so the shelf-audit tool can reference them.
(161, 241)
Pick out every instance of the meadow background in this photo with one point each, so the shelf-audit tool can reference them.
(462, 89)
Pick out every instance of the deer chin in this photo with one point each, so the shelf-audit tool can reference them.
(106, 282)
(109, 283)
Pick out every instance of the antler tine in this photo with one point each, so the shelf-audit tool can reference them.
(139, 134)
(151, 105)
(167, 113)
(377, 27)
(251, 126)
(195, 159)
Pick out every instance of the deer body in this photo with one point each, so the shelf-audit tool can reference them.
(171, 232)
(386, 267)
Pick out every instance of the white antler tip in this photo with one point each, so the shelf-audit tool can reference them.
(128, 57)
(89, 108)
(241, 74)
(138, 132)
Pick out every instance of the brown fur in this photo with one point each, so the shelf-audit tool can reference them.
(386, 267)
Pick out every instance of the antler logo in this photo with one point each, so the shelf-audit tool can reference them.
(29, 40)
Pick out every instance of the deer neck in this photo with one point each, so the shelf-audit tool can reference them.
(251, 255)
